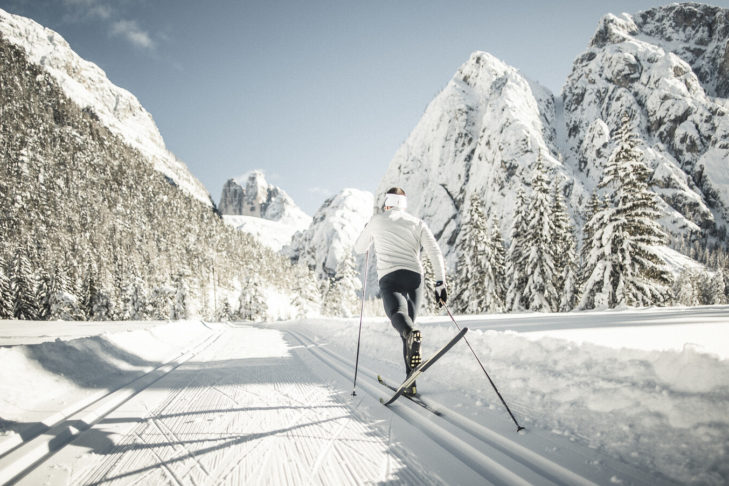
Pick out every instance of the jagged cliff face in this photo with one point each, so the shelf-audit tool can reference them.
(252, 195)
(87, 86)
(333, 231)
(665, 67)
(484, 131)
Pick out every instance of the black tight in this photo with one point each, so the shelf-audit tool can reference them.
(402, 292)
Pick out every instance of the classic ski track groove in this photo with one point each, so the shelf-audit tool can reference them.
(20, 458)
(304, 432)
(549, 470)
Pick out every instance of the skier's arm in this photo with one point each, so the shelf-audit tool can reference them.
(433, 251)
(365, 239)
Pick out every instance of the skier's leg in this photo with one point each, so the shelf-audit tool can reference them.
(414, 298)
(396, 310)
(394, 288)
(396, 305)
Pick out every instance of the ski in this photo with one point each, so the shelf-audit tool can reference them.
(413, 398)
(424, 366)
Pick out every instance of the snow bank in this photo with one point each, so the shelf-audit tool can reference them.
(67, 371)
(659, 409)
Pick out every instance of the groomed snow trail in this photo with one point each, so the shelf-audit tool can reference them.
(273, 405)
(246, 410)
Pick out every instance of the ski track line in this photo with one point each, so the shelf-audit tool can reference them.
(299, 433)
(12, 442)
(68, 424)
(483, 465)
(532, 460)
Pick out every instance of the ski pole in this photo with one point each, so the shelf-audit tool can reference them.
(361, 313)
(518, 427)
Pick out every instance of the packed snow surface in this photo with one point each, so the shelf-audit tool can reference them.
(632, 397)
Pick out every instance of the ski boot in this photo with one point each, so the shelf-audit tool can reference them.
(413, 343)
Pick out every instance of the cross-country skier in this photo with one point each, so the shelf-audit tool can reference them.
(398, 238)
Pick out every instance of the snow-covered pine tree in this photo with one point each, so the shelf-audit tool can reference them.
(251, 302)
(539, 292)
(625, 267)
(515, 256)
(495, 294)
(429, 306)
(179, 301)
(304, 286)
(44, 295)
(342, 298)
(6, 301)
(565, 264)
(224, 312)
(23, 287)
(64, 305)
(472, 261)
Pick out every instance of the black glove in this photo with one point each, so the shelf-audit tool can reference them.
(440, 293)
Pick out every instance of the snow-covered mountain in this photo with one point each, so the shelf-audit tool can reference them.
(333, 231)
(481, 135)
(87, 86)
(487, 127)
(251, 195)
(251, 204)
(668, 67)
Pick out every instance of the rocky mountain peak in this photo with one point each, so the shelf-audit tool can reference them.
(252, 195)
(698, 34)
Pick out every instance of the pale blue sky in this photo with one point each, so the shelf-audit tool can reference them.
(318, 94)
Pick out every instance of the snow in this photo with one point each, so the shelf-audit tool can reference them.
(273, 234)
(333, 231)
(630, 383)
(66, 361)
(635, 390)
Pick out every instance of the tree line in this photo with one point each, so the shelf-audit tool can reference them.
(619, 262)
(91, 231)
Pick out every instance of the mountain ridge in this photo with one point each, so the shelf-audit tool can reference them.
(88, 86)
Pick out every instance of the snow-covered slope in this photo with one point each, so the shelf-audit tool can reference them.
(273, 234)
(87, 86)
(333, 231)
(665, 67)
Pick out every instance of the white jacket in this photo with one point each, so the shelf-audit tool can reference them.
(398, 237)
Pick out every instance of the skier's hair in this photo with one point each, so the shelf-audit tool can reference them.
(395, 190)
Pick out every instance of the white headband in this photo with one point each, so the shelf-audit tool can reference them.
(396, 201)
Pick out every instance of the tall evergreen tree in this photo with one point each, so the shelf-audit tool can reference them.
(539, 292)
(565, 264)
(429, 306)
(6, 300)
(342, 298)
(252, 304)
(495, 287)
(516, 256)
(626, 268)
(472, 261)
(44, 296)
(23, 287)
